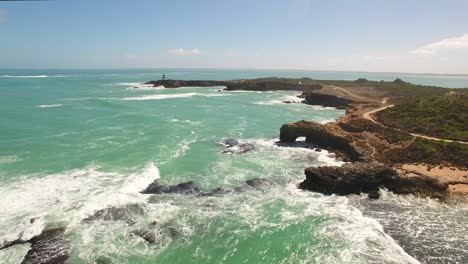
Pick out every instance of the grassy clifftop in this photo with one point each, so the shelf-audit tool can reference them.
(442, 116)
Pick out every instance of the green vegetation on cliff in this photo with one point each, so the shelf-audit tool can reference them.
(398, 90)
(431, 152)
(444, 116)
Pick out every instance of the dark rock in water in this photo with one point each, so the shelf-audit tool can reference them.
(182, 188)
(230, 142)
(318, 149)
(352, 178)
(318, 135)
(287, 102)
(146, 234)
(216, 191)
(103, 260)
(368, 177)
(239, 149)
(257, 182)
(373, 195)
(246, 147)
(50, 247)
(126, 214)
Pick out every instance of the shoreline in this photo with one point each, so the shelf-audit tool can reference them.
(359, 139)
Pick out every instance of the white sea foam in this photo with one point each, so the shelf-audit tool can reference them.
(67, 197)
(38, 76)
(139, 86)
(159, 96)
(289, 98)
(175, 120)
(169, 96)
(182, 148)
(8, 159)
(49, 106)
(24, 76)
(214, 94)
(290, 151)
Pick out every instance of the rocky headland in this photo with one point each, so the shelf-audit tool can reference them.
(380, 156)
(267, 84)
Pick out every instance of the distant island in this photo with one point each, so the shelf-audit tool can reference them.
(410, 139)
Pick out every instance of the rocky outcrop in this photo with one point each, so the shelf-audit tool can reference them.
(354, 178)
(126, 214)
(320, 136)
(182, 188)
(270, 84)
(233, 146)
(368, 177)
(182, 83)
(50, 247)
(326, 100)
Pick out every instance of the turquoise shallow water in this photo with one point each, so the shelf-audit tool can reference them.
(74, 142)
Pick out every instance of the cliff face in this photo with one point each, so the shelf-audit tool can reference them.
(368, 177)
(326, 100)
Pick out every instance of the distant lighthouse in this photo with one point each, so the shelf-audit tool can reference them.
(164, 76)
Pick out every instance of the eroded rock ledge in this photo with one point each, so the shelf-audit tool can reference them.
(368, 177)
(370, 151)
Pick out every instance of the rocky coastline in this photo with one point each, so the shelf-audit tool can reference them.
(270, 84)
(378, 156)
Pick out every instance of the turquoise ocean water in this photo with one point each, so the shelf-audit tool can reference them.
(73, 142)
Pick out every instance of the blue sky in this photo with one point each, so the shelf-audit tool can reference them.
(358, 35)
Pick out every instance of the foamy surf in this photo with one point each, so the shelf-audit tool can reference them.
(49, 106)
(24, 76)
(169, 96)
(38, 76)
(139, 86)
(159, 97)
(66, 197)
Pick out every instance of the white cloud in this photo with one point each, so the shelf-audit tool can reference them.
(183, 52)
(445, 44)
(3, 16)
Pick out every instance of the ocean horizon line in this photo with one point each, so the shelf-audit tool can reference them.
(240, 69)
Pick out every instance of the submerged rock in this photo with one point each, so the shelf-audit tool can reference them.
(50, 247)
(146, 234)
(126, 214)
(258, 182)
(103, 260)
(374, 195)
(182, 188)
(233, 146)
(230, 142)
